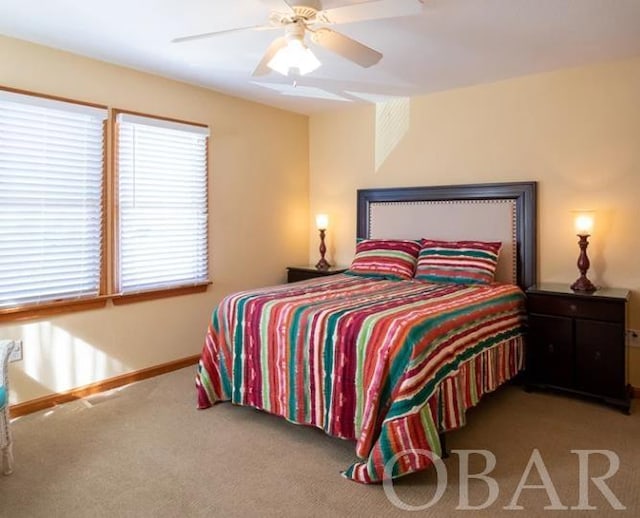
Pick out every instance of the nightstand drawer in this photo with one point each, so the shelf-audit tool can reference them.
(582, 307)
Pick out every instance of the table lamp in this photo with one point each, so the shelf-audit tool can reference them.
(322, 222)
(583, 222)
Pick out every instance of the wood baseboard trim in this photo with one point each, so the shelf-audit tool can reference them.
(59, 398)
(34, 405)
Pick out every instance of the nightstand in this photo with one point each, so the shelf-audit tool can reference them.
(576, 342)
(302, 273)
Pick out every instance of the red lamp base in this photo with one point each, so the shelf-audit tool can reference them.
(322, 264)
(583, 284)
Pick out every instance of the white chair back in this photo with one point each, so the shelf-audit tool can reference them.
(6, 453)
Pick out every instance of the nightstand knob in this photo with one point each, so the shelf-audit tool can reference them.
(551, 348)
(573, 308)
(597, 356)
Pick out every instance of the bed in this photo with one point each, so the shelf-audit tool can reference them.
(391, 362)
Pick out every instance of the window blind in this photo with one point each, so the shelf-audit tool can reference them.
(162, 197)
(51, 178)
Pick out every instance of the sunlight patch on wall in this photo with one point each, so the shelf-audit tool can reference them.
(392, 124)
(302, 91)
(64, 361)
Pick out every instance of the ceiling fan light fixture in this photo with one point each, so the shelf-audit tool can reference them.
(295, 55)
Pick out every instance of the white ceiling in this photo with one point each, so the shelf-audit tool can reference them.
(452, 43)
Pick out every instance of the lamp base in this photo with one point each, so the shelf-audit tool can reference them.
(322, 264)
(583, 284)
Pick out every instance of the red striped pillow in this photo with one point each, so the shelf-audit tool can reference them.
(388, 258)
(457, 262)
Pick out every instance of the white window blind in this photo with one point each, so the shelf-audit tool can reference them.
(51, 177)
(162, 195)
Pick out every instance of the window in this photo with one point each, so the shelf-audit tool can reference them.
(161, 191)
(51, 200)
(74, 232)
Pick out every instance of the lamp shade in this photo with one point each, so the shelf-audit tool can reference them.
(322, 221)
(295, 55)
(583, 222)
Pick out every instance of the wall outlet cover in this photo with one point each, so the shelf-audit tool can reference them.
(16, 354)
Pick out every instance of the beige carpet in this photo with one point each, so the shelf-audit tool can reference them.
(145, 450)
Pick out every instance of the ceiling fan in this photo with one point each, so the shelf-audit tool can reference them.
(290, 54)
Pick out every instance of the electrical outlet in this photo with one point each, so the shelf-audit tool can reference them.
(633, 337)
(16, 354)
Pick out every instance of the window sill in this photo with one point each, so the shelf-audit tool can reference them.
(48, 309)
(61, 307)
(141, 296)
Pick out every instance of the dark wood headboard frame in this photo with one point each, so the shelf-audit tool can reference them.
(523, 194)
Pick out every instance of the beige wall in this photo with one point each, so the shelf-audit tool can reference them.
(258, 224)
(576, 132)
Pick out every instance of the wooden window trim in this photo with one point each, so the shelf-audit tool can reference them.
(53, 97)
(61, 307)
(48, 309)
(118, 111)
(160, 293)
(114, 224)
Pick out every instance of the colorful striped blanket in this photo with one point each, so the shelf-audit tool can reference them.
(389, 364)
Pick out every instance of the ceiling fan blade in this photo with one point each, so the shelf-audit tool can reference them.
(346, 47)
(204, 35)
(370, 11)
(262, 69)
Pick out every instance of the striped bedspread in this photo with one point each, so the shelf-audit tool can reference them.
(388, 364)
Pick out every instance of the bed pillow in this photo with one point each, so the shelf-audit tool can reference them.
(388, 258)
(457, 262)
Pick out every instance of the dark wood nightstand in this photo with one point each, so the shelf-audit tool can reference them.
(302, 273)
(576, 342)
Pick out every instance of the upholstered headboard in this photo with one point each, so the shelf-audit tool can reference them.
(503, 212)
